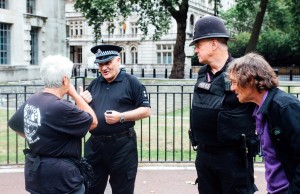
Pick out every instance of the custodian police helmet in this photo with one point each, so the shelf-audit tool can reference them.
(105, 53)
(209, 27)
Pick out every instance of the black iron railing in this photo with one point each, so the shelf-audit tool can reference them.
(163, 137)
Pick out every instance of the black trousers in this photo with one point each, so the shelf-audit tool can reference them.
(113, 158)
(224, 173)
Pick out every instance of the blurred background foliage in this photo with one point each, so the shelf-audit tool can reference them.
(279, 38)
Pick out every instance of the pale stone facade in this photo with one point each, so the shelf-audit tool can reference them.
(32, 30)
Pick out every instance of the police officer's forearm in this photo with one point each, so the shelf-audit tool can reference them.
(137, 114)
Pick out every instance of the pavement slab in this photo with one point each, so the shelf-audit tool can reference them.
(151, 179)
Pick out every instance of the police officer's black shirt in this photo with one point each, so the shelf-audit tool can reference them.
(123, 94)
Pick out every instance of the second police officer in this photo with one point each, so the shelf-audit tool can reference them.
(222, 129)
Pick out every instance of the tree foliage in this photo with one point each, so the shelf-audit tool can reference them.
(238, 45)
(279, 37)
(274, 45)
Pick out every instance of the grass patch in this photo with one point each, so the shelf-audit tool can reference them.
(161, 137)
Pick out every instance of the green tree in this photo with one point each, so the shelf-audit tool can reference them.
(295, 30)
(237, 23)
(240, 19)
(257, 26)
(278, 39)
(237, 46)
(272, 44)
(156, 13)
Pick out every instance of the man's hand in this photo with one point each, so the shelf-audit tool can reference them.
(112, 117)
(72, 91)
(86, 95)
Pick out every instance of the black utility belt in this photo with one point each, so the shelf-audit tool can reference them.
(127, 133)
(218, 149)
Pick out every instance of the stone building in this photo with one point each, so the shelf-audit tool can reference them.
(29, 31)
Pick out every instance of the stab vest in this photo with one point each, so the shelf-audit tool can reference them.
(212, 123)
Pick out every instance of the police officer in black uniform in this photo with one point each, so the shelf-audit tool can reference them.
(221, 127)
(118, 100)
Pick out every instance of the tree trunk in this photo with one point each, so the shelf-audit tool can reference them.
(180, 16)
(257, 26)
(177, 71)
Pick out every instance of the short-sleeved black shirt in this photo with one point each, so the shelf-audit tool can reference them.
(123, 94)
(53, 128)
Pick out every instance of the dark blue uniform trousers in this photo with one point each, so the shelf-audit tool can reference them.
(224, 173)
(115, 158)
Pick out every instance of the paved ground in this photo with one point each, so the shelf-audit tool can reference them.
(151, 179)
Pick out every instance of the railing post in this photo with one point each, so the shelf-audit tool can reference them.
(166, 73)
(75, 72)
(131, 71)
(78, 70)
(143, 72)
(276, 72)
(191, 74)
(291, 75)
(154, 73)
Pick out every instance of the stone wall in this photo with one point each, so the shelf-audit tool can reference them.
(19, 73)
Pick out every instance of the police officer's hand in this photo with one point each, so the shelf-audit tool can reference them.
(86, 95)
(112, 117)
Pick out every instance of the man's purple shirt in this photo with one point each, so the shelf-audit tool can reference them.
(277, 181)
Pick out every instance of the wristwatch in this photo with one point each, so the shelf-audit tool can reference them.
(122, 118)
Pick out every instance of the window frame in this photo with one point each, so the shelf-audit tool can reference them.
(164, 54)
(34, 45)
(134, 55)
(30, 6)
(3, 4)
(5, 43)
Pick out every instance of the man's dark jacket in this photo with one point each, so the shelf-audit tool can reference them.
(282, 112)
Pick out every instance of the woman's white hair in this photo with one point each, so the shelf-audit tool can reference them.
(54, 68)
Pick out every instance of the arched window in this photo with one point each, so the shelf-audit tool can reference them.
(192, 20)
(134, 55)
(191, 25)
(123, 56)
